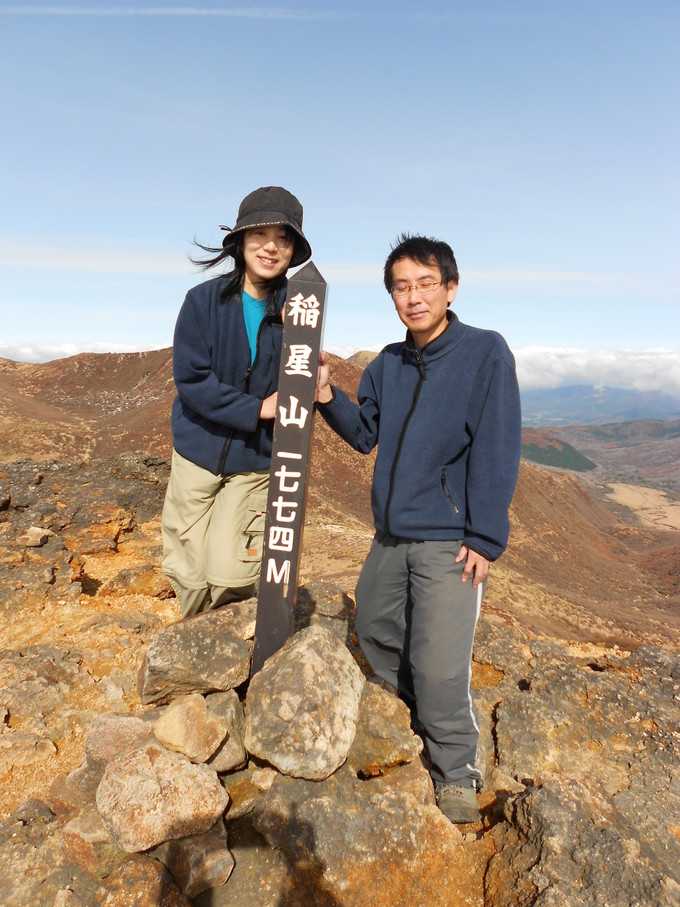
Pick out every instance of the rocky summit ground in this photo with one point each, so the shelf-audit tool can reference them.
(575, 673)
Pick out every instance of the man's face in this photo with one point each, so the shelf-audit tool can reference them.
(423, 310)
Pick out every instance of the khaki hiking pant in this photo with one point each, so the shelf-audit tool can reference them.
(213, 532)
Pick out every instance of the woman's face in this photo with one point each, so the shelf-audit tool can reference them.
(267, 252)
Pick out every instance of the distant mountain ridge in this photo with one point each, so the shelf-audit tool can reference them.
(92, 404)
(585, 404)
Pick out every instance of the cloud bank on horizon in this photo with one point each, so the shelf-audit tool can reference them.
(537, 367)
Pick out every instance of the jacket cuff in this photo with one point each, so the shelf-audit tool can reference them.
(473, 546)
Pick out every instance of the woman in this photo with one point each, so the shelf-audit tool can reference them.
(226, 354)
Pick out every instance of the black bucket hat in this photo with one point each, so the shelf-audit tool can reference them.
(271, 206)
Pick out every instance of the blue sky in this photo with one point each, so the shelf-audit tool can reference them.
(540, 139)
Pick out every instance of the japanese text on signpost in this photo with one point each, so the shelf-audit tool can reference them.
(303, 331)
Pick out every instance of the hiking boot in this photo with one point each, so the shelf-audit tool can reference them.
(459, 804)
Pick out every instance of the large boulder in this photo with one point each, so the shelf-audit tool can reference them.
(203, 653)
(302, 707)
(384, 737)
(150, 795)
(566, 845)
(368, 847)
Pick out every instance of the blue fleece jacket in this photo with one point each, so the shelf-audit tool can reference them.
(446, 419)
(215, 416)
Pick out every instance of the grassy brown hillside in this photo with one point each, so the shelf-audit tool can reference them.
(540, 445)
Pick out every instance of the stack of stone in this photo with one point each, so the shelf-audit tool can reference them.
(314, 789)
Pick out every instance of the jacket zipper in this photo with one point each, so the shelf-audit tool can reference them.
(245, 383)
(447, 492)
(414, 403)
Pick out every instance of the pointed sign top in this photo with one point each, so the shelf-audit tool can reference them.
(308, 274)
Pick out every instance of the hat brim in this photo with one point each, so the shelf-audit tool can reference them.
(301, 252)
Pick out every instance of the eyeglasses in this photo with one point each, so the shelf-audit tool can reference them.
(424, 287)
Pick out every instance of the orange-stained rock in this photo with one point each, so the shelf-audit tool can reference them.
(150, 795)
(142, 882)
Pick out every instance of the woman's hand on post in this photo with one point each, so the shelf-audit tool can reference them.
(268, 408)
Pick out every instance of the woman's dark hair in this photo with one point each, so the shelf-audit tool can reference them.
(236, 277)
(425, 250)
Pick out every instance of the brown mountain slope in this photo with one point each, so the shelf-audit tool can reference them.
(575, 568)
(97, 405)
(87, 405)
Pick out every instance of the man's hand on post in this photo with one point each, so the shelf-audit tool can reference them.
(323, 393)
(475, 564)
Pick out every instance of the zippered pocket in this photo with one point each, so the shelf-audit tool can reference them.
(447, 491)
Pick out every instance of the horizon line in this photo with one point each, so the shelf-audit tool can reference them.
(654, 369)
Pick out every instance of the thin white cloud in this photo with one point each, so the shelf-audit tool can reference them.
(262, 12)
(79, 254)
(371, 272)
(255, 12)
(537, 276)
(21, 253)
(574, 283)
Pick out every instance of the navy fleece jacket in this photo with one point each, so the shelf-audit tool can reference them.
(215, 416)
(447, 422)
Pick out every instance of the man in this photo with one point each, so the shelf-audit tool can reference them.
(443, 408)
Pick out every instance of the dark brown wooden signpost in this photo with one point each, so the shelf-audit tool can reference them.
(302, 333)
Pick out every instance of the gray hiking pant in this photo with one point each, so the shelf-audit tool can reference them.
(416, 623)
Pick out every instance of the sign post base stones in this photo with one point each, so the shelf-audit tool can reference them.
(302, 334)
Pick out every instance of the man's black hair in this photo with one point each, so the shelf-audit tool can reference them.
(425, 250)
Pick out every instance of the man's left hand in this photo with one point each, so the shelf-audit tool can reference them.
(476, 565)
